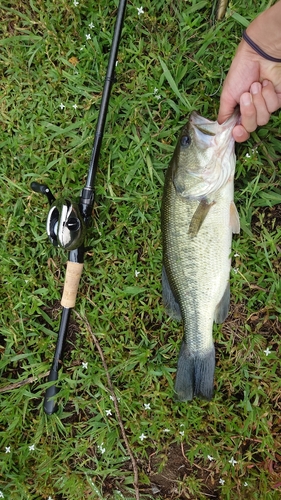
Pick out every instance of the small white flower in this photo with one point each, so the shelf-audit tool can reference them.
(142, 437)
(32, 447)
(221, 481)
(101, 448)
(75, 106)
(83, 47)
(155, 91)
(210, 458)
(91, 26)
(167, 430)
(181, 433)
(88, 36)
(267, 351)
(62, 106)
(245, 484)
(147, 406)
(85, 364)
(248, 155)
(75, 3)
(235, 270)
(1, 494)
(137, 273)
(140, 11)
(158, 96)
(108, 413)
(236, 255)
(232, 461)
(50, 498)
(8, 449)
(112, 398)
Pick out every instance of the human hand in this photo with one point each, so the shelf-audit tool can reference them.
(253, 82)
(257, 100)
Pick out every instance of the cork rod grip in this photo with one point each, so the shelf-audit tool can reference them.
(72, 278)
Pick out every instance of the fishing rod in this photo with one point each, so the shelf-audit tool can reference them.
(67, 221)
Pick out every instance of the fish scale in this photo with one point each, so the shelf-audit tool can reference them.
(197, 233)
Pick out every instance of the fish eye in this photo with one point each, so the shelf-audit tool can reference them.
(185, 141)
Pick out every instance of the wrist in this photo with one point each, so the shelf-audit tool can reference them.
(265, 30)
(258, 49)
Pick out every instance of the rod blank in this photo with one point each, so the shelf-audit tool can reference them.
(50, 405)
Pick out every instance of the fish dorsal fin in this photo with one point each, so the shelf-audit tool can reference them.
(199, 216)
(234, 219)
(222, 308)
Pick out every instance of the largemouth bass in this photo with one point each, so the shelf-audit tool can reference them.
(198, 219)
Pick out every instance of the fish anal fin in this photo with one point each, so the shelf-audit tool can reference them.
(170, 303)
(234, 218)
(222, 308)
(199, 216)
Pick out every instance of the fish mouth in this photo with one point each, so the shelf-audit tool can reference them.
(206, 130)
(203, 125)
(209, 127)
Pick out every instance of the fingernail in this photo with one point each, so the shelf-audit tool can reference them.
(255, 88)
(239, 131)
(246, 99)
(265, 83)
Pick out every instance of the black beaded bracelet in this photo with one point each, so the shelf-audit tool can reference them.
(257, 49)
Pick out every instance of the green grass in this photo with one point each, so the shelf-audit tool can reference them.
(79, 452)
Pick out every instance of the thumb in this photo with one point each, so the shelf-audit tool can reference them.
(227, 106)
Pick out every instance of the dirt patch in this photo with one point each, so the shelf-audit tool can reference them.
(172, 476)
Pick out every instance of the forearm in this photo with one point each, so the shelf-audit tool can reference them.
(265, 30)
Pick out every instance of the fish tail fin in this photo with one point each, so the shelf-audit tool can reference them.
(195, 374)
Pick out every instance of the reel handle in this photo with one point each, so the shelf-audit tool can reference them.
(43, 189)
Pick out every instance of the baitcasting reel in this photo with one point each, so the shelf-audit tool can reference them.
(65, 224)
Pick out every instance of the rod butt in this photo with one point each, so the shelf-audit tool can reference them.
(50, 405)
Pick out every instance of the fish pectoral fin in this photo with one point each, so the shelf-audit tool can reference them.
(234, 218)
(170, 303)
(222, 308)
(199, 216)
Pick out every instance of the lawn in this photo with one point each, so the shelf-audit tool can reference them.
(117, 423)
